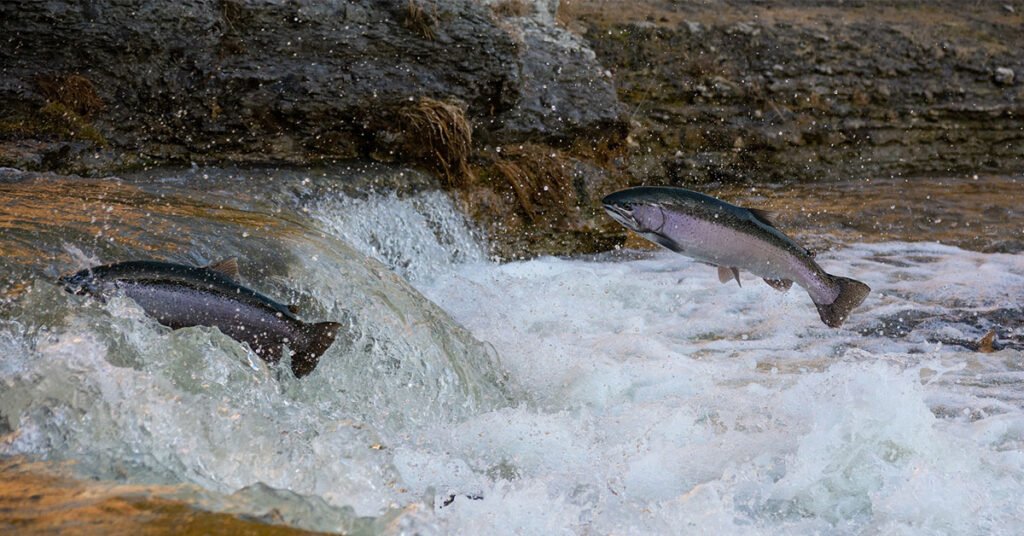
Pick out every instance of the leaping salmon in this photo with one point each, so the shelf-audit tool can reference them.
(733, 239)
(180, 296)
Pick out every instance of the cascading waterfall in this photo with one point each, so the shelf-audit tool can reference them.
(628, 392)
(102, 384)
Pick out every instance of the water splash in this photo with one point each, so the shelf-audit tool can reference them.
(669, 401)
(128, 399)
(419, 237)
(656, 400)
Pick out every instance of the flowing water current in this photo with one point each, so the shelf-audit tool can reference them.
(628, 392)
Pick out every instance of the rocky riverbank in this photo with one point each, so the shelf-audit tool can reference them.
(98, 87)
(527, 110)
(783, 90)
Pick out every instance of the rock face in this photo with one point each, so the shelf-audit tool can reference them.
(781, 90)
(91, 86)
(521, 107)
(557, 68)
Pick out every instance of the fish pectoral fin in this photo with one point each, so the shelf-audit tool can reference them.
(294, 309)
(726, 274)
(228, 267)
(663, 241)
(781, 285)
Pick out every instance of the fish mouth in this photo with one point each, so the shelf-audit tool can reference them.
(622, 215)
(75, 284)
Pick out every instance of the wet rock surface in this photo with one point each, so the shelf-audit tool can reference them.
(529, 111)
(101, 86)
(558, 71)
(1004, 327)
(775, 91)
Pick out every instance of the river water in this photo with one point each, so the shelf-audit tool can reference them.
(628, 392)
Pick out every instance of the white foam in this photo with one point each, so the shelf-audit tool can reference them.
(656, 400)
(668, 402)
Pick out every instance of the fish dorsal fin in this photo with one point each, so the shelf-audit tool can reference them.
(764, 216)
(293, 309)
(228, 267)
(725, 274)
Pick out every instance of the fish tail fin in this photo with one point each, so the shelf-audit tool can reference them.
(851, 294)
(318, 339)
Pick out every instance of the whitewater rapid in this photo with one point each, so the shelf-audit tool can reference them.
(627, 393)
(664, 401)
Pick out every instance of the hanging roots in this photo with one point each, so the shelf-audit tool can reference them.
(541, 179)
(419, 20)
(74, 91)
(438, 133)
(512, 8)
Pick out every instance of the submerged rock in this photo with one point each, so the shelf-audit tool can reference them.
(1004, 76)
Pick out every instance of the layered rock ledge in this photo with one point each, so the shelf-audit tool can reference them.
(91, 87)
(527, 110)
(772, 91)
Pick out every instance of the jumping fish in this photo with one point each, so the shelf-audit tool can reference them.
(733, 238)
(180, 296)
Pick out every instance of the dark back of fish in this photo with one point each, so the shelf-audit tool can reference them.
(181, 296)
